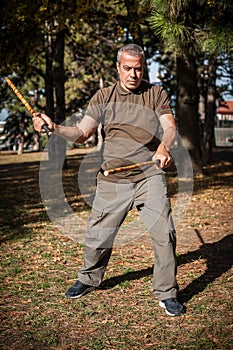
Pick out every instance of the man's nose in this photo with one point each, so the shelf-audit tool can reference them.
(133, 72)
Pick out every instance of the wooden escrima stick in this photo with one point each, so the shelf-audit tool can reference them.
(26, 104)
(132, 166)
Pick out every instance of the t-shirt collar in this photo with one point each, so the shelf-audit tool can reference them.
(124, 92)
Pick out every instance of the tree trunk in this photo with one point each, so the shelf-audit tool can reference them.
(49, 72)
(187, 110)
(59, 77)
(59, 81)
(36, 143)
(208, 137)
(21, 134)
(49, 95)
(135, 28)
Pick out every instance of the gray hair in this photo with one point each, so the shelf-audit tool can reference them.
(132, 50)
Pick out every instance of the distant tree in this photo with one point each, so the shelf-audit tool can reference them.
(191, 30)
(174, 22)
(71, 45)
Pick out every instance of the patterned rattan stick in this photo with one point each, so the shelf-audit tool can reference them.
(26, 104)
(132, 166)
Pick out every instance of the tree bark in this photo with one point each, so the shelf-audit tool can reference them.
(187, 110)
(59, 81)
(208, 137)
(21, 134)
(59, 77)
(49, 95)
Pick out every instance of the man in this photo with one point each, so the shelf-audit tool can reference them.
(131, 112)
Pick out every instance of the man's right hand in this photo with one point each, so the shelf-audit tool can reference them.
(42, 119)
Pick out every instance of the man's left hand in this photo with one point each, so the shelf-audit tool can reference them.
(163, 155)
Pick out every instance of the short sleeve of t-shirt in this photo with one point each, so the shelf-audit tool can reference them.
(94, 109)
(161, 100)
(97, 103)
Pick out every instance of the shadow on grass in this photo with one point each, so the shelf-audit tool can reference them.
(21, 206)
(219, 259)
(129, 276)
(19, 198)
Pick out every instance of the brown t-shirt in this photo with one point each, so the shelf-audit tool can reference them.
(130, 127)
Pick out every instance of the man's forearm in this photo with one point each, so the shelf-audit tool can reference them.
(85, 129)
(169, 131)
(169, 137)
(69, 133)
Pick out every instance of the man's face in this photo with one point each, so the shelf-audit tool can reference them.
(130, 71)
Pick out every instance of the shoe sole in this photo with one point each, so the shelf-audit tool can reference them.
(167, 312)
(88, 290)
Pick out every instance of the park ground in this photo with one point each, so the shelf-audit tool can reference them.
(39, 263)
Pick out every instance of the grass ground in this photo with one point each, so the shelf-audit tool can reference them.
(38, 264)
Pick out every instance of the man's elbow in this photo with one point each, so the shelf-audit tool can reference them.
(85, 135)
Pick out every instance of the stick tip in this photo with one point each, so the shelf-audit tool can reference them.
(106, 173)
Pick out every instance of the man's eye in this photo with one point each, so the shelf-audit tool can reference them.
(137, 69)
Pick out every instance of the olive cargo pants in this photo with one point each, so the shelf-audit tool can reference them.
(110, 207)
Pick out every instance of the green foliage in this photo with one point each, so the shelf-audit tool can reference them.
(193, 27)
(94, 30)
(196, 32)
(171, 32)
(90, 55)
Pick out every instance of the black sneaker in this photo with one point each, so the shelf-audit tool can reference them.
(78, 290)
(172, 307)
